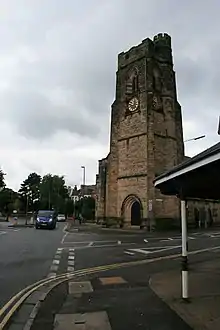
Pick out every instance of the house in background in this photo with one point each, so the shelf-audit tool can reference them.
(84, 191)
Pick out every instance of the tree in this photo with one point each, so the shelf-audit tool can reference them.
(69, 207)
(17, 204)
(2, 179)
(78, 207)
(88, 208)
(53, 192)
(30, 191)
(7, 200)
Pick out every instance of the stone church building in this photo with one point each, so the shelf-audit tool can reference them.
(146, 140)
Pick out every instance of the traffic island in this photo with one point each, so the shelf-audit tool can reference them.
(202, 310)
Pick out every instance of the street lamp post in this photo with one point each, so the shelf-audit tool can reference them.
(83, 191)
(84, 179)
(29, 192)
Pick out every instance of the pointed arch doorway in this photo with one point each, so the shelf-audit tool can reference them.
(131, 210)
(135, 214)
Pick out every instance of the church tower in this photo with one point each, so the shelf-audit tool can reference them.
(146, 136)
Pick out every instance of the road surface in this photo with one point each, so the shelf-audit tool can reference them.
(28, 255)
(25, 257)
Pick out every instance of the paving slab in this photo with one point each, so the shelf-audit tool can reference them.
(87, 321)
(80, 287)
(112, 280)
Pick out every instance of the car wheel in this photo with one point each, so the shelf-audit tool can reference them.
(37, 227)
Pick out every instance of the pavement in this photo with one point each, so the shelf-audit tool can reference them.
(202, 312)
(140, 292)
(20, 222)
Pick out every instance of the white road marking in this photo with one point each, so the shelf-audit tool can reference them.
(91, 243)
(87, 242)
(71, 257)
(101, 246)
(145, 240)
(190, 237)
(129, 253)
(148, 251)
(56, 262)
(2, 232)
(141, 251)
(119, 242)
(168, 239)
(71, 263)
(54, 268)
(60, 249)
(215, 236)
(64, 228)
(70, 269)
(57, 256)
(51, 275)
(64, 236)
(71, 249)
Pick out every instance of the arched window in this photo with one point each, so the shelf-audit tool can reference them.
(157, 81)
(132, 82)
(135, 84)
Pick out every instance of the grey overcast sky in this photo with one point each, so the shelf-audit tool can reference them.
(57, 77)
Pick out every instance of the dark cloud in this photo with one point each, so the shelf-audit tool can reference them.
(58, 63)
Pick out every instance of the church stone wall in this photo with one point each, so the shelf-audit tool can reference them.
(146, 138)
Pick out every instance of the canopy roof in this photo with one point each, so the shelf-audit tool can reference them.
(197, 177)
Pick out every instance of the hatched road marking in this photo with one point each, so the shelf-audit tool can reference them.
(151, 250)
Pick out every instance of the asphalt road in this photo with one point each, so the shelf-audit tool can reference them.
(25, 257)
(93, 249)
(28, 255)
(131, 303)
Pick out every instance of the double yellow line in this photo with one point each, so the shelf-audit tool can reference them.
(15, 302)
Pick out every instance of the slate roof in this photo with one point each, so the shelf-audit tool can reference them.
(203, 155)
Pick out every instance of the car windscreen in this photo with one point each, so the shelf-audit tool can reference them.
(45, 214)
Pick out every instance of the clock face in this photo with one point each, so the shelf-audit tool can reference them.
(133, 104)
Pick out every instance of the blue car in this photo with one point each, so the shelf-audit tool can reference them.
(47, 219)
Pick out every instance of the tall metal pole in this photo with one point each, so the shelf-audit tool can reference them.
(84, 183)
(27, 196)
(185, 293)
(84, 179)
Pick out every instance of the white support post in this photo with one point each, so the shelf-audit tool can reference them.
(185, 293)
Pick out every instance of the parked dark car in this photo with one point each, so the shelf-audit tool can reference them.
(46, 219)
